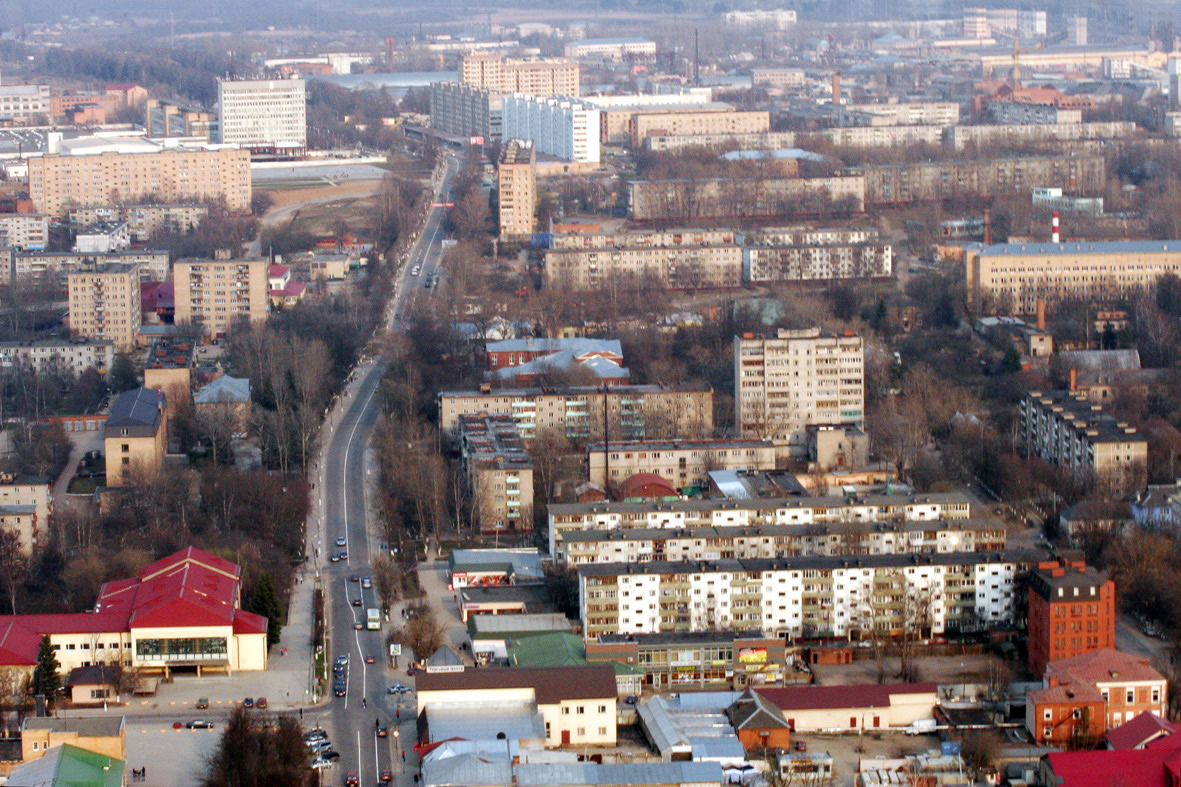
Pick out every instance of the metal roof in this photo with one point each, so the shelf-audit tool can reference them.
(1101, 247)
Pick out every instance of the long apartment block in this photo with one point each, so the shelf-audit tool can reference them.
(1067, 429)
(807, 597)
(26, 265)
(681, 514)
(643, 545)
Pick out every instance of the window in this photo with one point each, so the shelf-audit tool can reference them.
(1047, 714)
(1078, 714)
(70, 646)
(602, 730)
(602, 709)
(1131, 698)
(34, 745)
(581, 732)
(565, 711)
(581, 709)
(1155, 696)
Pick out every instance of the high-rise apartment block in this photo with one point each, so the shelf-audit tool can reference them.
(786, 381)
(563, 127)
(263, 114)
(1071, 612)
(219, 294)
(499, 472)
(1067, 429)
(105, 304)
(24, 103)
(500, 74)
(517, 182)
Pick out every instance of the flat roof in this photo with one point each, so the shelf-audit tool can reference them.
(763, 504)
(578, 390)
(820, 529)
(1075, 249)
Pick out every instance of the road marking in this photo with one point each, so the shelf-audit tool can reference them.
(360, 767)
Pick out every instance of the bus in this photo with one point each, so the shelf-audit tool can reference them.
(373, 619)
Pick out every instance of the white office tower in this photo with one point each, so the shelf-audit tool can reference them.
(563, 127)
(1076, 30)
(263, 114)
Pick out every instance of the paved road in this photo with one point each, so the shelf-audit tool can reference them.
(345, 476)
(1130, 639)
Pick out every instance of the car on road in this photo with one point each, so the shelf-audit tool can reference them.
(383, 731)
(261, 702)
(340, 541)
(359, 626)
(248, 702)
(370, 659)
(357, 602)
(343, 658)
(339, 690)
(387, 775)
(334, 558)
(398, 688)
(354, 578)
(351, 780)
(366, 582)
(203, 703)
(343, 555)
(199, 724)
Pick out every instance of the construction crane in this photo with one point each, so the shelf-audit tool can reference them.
(1018, 51)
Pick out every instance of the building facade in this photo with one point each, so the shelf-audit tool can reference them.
(164, 118)
(673, 143)
(1071, 612)
(218, 294)
(680, 462)
(817, 263)
(960, 137)
(905, 183)
(1016, 113)
(263, 113)
(63, 356)
(883, 136)
(787, 381)
(687, 121)
(499, 74)
(778, 77)
(499, 472)
(24, 231)
(674, 267)
(516, 179)
(466, 111)
(143, 220)
(28, 265)
(135, 436)
(564, 127)
(105, 304)
(25, 104)
(612, 48)
(705, 660)
(731, 198)
(1067, 429)
(902, 113)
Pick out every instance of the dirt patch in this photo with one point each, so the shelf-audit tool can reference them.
(285, 197)
(936, 669)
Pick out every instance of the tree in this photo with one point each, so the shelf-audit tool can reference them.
(265, 601)
(14, 565)
(387, 581)
(979, 750)
(423, 634)
(46, 679)
(122, 376)
(258, 750)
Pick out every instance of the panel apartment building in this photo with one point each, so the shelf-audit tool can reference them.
(680, 462)
(105, 304)
(219, 294)
(814, 262)
(68, 356)
(24, 231)
(795, 378)
(1024, 272)
(266, 115)
(566, 518)
(29, 265)
(500, 74)
(499, 472)
(686, 120)
(822, 597)
(898, 184)
(564, 127)
(1067, 429)
(679, 259)
(100, 175)
(24, 104)
(143, 220)
(516, 178)
(634, 412)
(684, 200)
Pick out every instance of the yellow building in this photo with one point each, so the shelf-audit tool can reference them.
(25, 503)
(517, 184)
(499, 472)
(105, 735)
(218, 294)
(499, 74)
(135, 436)
(57, 182)
(169, 370)
(690, 120)
(680, 462)
(105, 303)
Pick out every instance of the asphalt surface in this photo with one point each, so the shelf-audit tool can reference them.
(351, 719)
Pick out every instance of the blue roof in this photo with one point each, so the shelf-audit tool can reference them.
(1104, 247)
(224, 389)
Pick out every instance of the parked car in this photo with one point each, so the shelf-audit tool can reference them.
(383, 732)
(398, 688)
(330, 755)
(320, 745)
(203, 703)
(801, 745)
(351, 780)
(319, 763)
(261, 702)
(200, 724)
(248, 702)
(316, 734)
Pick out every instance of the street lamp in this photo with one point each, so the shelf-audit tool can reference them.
(397, 746)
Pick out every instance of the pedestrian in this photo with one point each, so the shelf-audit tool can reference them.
(364, 703)
(301, 714)
(143, 772)
(403, 756)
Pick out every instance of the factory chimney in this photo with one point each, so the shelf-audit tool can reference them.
(1054, 236)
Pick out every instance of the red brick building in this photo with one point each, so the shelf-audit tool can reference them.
(1071, 715)
(1071, 612)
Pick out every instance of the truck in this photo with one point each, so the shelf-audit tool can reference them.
(373, 619)
(922, 727)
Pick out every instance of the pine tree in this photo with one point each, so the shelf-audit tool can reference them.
(265, 601)
(122, 376)
(46, 679)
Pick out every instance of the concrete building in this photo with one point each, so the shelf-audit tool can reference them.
(575, 704)
(688, 260)
(219, 293)
(263, 114)
(817, 263)
(24, 231)
(1017, 113)
(822, 597)
(687, 121)
(64, 356)
(25, 506)
(183, 612)
(752, 513)
(466, 111)
(499, 472)
(960, 137)
(1067, 429)
(164, 118)
(634, 412)
(108, 172)
(778, 77)
(856, 708)
(530, 361)
(1071, 612)
(883, 136)
(766, 19)
(680, 462)
(1020, 273)
(102, 237)
(25, 104)
(135, 437)
(614, 49)
(563, 127)
(902, 113)
(673, 143)
(105, 735)
(731, 198)
(702, 660)
(841, 539)
(168, 369)
(143, 221)
(27, 265)
(105, 304)
(1076, 30)
(785, 382)
(1054, 199)
(516, 179)
(536, 77)
(899, 184)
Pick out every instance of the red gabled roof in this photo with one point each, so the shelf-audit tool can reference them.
(1147, 767)
(1139, 731)
(70, 622)
(179, 609)
(18, 644)
(249, 623)
(195, 555)
(829, 697)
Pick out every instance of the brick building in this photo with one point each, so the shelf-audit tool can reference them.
(1071, 612)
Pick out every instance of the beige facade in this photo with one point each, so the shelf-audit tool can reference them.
(817, 263)
(778, 77)
(500, 74)
(105, 304)
(673, 143)
(135, 436)
(671, 267)
(691, 200)
(1020, 273)
(615, 120)
(904, 183)
(883, 136)
(106, 735)
(959, 137)
(25, 505)
(691, 120)
(681, 462)
(26, 265)
(1066, 429)
(1022, 112)
(499, 472)
(64, 356)
(220, 293)
(517, 181)
(143, 220)
(905, 113)
(786, 381)
(58, 182)
(634, 412)
(24, 230)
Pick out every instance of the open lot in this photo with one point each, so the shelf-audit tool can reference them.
(936, 669)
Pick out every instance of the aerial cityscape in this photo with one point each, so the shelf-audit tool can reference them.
(590, 394)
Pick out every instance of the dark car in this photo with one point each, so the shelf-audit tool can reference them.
(357, 602)
(261, 702)
(339, 690)
(330, 755)
(387, 775)
(200, 724)
(343, 555)
(354, 578)
(383, 732)
(248, 702)
(370, 659)
(335, 558)
(351, 780)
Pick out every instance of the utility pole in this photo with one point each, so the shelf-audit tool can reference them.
(696, 61)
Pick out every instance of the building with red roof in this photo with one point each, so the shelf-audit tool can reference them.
(647, 486)
(853, 708)
(181, 612)
(1156, 765)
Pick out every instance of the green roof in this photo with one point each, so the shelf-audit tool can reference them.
(69, 766)
(557, 650)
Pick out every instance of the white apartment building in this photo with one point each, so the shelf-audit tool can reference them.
(680, 462)
(902, 113)
(1018, 113)
(883, 136)
(143, 220)
(612, 48)
(773, 18)
(805, 596)
(62, 355)
(153, 265)
(563, 127)
(959, 137)
(263, 113)
(778, 77)
(786, 381)
(643, 545)
(809, 511)
(817, 263)
(24, 103)
(24, 231)
(102, 237)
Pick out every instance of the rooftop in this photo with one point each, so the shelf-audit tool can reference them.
(576, 390)
(85, 726)
(1097, 247)
(878, 695)
(886, 503)
(137, 408)
(550, 684)
(224, 389)
(1102, 666)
